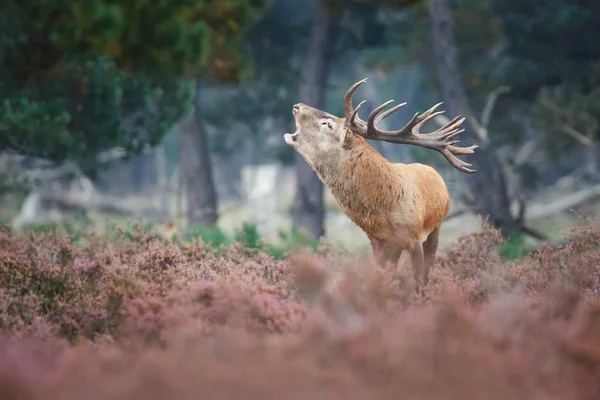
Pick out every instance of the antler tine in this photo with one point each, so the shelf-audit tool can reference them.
(348, 97)
(440, 140)
(461, 151)
(432, 108)
(355, 113)
(373, 115)
(450, 153)
(391, 110)
(353, 121)
(418, 120)
(450, 130)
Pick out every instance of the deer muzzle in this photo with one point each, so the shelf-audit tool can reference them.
(291, 138)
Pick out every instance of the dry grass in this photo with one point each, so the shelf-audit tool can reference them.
(134, 317)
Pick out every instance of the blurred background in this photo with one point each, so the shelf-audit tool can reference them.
(173, 112)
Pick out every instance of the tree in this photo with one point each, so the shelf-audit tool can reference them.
(308, 207)
(92, 107)
(272, 44)
(503, 49)
(528, 29)
(275, 45)
(559, 84)
(80, 78)
(196, 169)
(228, 66)
(488, 186)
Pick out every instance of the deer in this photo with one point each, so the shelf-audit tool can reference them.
(400, 207)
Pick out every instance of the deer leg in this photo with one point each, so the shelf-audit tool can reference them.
(383, 255)
(417, 260)
(394, 256)
(429, 250)
(378, 252)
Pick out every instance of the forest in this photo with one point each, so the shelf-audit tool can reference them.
(153, 218)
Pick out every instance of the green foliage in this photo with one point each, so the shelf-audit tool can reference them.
(564, 110)
(408, 43)
(295, 239)
(527, 45)
(513, 248)
(549, 42)
(477, 34)
(247, 235)
(80, 78)
(133, 231)
(93, 107)
(554, 65)
(75, 231)
(250, 238)
(213, 236)
(140, 35)
(277, 45)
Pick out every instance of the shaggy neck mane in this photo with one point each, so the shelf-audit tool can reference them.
(362, 180)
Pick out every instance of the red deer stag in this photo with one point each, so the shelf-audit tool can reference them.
(398, 206)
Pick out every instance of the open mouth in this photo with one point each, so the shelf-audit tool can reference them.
(291, 138)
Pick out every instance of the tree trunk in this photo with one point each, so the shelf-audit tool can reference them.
(142, 172)
(309, 211)
(196, 169)
(488, 186)
(591, 162)
(162, 177)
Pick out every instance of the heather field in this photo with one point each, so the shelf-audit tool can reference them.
(132, 316)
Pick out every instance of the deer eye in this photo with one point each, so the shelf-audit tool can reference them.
(327, 123)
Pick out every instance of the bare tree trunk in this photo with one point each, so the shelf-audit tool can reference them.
(196, 169)
(488, 186)
(162, 180)
(142, 172)
(591, 162)
(309, 211)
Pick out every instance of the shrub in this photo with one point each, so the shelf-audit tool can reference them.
(248, 236)
(134, 316)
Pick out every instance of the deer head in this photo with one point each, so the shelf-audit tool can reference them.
(320, 134)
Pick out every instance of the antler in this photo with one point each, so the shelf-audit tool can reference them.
(441, 140)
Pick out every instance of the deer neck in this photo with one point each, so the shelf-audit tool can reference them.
(362, 181)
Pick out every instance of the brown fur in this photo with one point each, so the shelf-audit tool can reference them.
(398, 206)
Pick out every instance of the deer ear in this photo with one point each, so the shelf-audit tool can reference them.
(348, 139)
